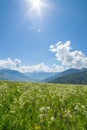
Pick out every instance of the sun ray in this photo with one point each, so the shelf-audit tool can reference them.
(36, 6)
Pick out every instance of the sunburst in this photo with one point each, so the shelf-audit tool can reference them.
(36, 6)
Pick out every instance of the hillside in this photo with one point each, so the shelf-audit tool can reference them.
(12, 75)
(57, 75)
(71, 76)
(75, 78)
(39, 76)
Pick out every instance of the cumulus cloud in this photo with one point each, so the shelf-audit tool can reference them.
(67, 57)
(57, 68)
(35, 68)
(9, 63)
(16, 64)
(64, 55)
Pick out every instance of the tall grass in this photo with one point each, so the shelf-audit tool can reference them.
(37, 106)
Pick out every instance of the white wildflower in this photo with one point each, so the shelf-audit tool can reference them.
(42, 109)
(52, 118)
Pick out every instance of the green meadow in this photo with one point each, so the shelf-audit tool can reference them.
(40, 106)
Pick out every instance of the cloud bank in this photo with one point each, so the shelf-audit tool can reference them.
(63, 53)
(68, 58)
(16, 64)
(10, 64)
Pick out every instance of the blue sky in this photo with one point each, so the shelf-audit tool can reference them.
(30, 35)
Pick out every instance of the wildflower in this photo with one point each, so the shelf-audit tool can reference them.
(70, 116)
(76, 107)
(42, 109)
(83, 106)
(42, 115)
(52, 118)
(48, 108)
(36, 127)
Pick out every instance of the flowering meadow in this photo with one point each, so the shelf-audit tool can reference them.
(40, 106)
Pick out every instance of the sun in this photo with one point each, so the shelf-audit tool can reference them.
(35, 12)
(35, 6)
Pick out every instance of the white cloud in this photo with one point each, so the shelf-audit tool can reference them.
(63, 53)
(9, 63)
(67, 57)
(35, 68)
(57, 68)
(16, 64)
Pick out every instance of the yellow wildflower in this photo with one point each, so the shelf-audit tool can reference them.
(36, 127)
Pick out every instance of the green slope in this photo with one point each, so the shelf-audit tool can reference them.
(75, 78)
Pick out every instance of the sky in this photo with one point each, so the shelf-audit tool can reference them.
(43, 35)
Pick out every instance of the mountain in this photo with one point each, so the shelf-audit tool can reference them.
(57, 75)
(13, 75)
(39, 76)
(74, 78)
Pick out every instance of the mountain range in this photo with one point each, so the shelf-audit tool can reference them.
(57, 75)
(13, 75)
(39, 76)
(70, 76)
(74, 78)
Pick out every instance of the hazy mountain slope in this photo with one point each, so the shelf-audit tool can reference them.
(74, 76)
(39, 76)
(7, 74)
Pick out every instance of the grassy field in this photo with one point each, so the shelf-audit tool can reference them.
(37, 106)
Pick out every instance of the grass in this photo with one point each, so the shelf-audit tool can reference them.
(37, 106)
